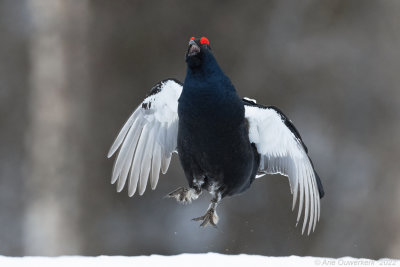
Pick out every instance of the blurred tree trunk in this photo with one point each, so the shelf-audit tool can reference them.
(58, 103)
(13, 121)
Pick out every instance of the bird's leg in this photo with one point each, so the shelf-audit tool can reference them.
(211, 216)
(185, 195)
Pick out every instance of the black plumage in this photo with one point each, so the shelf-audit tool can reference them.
(213, 141)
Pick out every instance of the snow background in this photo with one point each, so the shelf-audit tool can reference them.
(192, 260)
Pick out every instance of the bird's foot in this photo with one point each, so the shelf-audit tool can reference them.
(210, 217)
(184, 195)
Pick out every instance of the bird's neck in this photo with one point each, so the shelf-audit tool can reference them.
(207, 79)
(209, 95)
(208, 68)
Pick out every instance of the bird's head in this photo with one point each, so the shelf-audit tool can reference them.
(198, 49)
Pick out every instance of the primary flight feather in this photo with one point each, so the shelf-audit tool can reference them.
(223, 142)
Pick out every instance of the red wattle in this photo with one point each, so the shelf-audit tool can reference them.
(204, 40)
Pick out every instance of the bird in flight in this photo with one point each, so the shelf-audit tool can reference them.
(223, 142)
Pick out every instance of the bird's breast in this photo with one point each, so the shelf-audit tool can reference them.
(205, 108)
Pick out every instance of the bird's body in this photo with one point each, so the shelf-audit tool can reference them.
(223, 142)
(213, 141)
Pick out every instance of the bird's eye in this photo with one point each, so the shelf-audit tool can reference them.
(192, 38)
(204, 40)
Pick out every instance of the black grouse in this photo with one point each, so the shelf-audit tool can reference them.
(223, 142)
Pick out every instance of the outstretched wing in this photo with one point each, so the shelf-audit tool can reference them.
(147, 139)
(282, 151)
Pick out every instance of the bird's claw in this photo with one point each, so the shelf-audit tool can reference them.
(183, 195)
(210, 217)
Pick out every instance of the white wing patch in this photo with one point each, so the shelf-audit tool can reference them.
(147, 139)
(250, 100)
(282, 152)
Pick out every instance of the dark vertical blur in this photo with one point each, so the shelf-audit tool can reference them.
(14, 90)
(71, 73)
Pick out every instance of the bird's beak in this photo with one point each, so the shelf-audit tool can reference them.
(194, 49)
